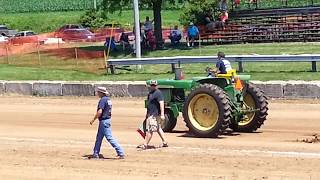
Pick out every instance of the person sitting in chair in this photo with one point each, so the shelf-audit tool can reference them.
(210, 23)
(151, 41)
(193, 34)
(175, 36)
(110, 44)
(124, 40)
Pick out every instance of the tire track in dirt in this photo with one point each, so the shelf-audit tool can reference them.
(174, 149)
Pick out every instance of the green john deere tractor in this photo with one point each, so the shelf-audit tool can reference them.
(212, 104)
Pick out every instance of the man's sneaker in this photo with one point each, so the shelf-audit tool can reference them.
(143, 147)
(120, 157)
(165, 145)
(95, 156)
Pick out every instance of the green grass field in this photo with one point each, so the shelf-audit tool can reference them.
(52, 67)
(299, 71)
(50, 21)
(18, 6)
(14, 6)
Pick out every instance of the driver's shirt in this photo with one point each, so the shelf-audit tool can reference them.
(223, 65)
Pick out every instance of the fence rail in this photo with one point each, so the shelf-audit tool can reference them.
(240, 59)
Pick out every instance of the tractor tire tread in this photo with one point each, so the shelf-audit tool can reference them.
(223, 102)
(261, 116)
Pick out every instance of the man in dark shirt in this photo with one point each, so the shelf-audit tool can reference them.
(104, 116)
(155, 113)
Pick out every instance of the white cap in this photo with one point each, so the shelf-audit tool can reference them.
(103, 90)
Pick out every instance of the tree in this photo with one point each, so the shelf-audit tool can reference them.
(196, 11)
(156, 5)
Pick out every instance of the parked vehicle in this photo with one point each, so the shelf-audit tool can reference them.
(69, 26)
(5, 31)
(3, 38)
(26, 37)
(25, 33)
(102, 33)
(76, 35)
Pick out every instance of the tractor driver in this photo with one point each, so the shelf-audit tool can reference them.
(222, 66)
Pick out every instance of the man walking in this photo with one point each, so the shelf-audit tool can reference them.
(104, 115)
(155, 113)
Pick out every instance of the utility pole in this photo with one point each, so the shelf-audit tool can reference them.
(95, 5)
(137, 27)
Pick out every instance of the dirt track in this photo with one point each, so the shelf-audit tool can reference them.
(44, 138)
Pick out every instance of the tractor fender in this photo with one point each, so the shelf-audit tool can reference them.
(221, 82)
(244, 77)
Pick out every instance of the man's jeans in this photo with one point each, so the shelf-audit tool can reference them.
(105, 130)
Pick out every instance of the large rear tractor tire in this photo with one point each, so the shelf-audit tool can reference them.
(207, 112)
(254, 99)
(169, 123)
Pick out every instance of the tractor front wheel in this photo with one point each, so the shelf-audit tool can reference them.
(207, 112)
(169, 123)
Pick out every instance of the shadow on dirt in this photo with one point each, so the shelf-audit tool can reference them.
(101, 157)
(226, 133)
(179, 131)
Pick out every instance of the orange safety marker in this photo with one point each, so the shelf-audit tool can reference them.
(239, 86)
(182, 75)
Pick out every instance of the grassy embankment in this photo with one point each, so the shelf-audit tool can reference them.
(27, 67)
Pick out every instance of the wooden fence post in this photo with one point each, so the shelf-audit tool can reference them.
(39, 57)
(105, 61)
(7, 54)
(76, 56)
(200, 44)
(240, 66)
(173, 67)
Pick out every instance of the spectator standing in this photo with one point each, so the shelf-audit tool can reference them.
(148, 25)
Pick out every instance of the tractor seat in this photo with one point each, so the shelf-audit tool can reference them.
(230, 74)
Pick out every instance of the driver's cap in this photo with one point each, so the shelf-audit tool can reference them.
(153, 82)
